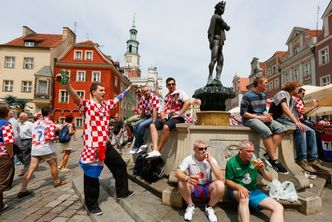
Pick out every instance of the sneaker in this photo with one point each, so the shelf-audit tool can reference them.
(96, 211)
(317, 164)
(153, 154)
(5, 206)
(277, 166)
(133, 150)
(131, 193)
(209, 212)
(22, 194)
(267, 160)
(188, 215)
(142, 148)
(306, 166)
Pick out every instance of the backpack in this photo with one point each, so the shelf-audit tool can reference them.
(64, 136)
(140, 162)
(275, 111)
(153, 170)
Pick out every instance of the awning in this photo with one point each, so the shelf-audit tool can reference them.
(321, 111)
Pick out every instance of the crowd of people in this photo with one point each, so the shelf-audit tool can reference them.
(104, 137)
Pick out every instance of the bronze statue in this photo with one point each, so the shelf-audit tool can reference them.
(216, 35)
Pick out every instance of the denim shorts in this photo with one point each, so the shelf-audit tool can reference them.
(265, 129)
(255, 197)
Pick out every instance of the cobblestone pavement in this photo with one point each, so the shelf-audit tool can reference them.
(47, 203)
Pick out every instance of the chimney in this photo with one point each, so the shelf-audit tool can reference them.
(27, 31)
(68, 34)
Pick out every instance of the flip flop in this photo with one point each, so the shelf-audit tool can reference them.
(62, 182)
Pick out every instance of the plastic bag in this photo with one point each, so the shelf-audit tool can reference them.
(282, 191)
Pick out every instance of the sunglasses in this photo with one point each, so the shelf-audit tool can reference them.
(170, 84)
(202, 148)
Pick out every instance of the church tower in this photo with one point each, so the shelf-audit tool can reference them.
(132, 58)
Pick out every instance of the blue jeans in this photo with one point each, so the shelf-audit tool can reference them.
(305, 142)
(139, 130)
(265, 129)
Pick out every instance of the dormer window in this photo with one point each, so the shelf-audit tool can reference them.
(29, 43)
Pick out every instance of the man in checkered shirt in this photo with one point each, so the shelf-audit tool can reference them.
(149, 104)
(96, 112)
(176, 102)
(300, 110)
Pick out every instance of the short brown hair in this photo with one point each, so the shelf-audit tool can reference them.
(4, 111)
(94, 86)
(69, 118)
(290, 86)
(258, 80)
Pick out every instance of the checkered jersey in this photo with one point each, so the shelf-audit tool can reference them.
(148, 104)
(174, 101)
(7, 136)
(299, 107)
(42, 137)
(96, 120)
(189, 120)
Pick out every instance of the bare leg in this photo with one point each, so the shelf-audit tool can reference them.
(163, 138)
(243, 207)
(65, 159)
(154, 136)
(216, 191)
(277, 210)
(270, 147)
(33, 166)
(54, 170)
(185, 190)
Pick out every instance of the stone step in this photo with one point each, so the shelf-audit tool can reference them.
(112, 211)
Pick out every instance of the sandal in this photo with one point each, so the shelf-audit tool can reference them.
(60, 183)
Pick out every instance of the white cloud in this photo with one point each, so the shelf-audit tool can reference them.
(172, 34)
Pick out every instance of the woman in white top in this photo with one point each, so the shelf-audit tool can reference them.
(67, 147)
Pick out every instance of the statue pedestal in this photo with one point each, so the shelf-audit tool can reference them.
(213, 118)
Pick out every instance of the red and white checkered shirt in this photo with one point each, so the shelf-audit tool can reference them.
(7, 137)
(299, 107)
(42, 137)
(96, 120)
(189, 120)
(174, 101)
(148, 104)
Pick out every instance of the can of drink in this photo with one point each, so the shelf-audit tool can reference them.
(64, 77)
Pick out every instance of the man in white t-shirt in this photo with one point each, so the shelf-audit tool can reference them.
(195, 180)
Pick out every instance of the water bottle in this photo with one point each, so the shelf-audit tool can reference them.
(64, 77)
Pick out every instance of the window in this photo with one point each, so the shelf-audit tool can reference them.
(276, 83)
(286, 78)
(77, 55)
(79, 122)
(268, 72)
(296, 50)
(64, 98)
(42, 87)
(29, 44)
(115, 81)
(96, 76)
(62, 120)
(80, 76)
(324, 56)
(26, 86)
(8, 85)
(88, 55)
(274, 69)
(80, 94)
(325, 80)
(306, 69)
(28, 63)
(270, 86)
(295, 74)
(9, 62)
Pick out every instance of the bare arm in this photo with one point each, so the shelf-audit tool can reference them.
(290, 115)
(10, 151)
(215, 169)
(309, 109)
(72, 92)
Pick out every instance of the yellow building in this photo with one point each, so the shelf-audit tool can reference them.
(27, 65)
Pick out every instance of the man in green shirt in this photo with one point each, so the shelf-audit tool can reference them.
(241, 179)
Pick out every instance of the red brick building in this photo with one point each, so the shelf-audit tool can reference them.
(86, 64)
(323, 48)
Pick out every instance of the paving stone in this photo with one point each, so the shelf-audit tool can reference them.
(76, 205)
(58, 209)
(54, 203)
(80, 218)
(47, 217)
(63, 197)
(67, 203)
(60, 219)
(32, 217)
(68, 213)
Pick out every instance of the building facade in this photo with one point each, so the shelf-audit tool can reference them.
(27, 66)
(299, 62)
(323, 49)
(240, 88)
(86, 64)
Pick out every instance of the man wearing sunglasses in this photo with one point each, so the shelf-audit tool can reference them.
(176, 102)
(195, 180)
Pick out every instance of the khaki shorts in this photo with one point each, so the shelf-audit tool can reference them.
(6, 170)
(45, 158)
(66, 146)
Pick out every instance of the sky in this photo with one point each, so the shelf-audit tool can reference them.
(172, 33)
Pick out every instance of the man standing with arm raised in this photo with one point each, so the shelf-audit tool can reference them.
(96, 112)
